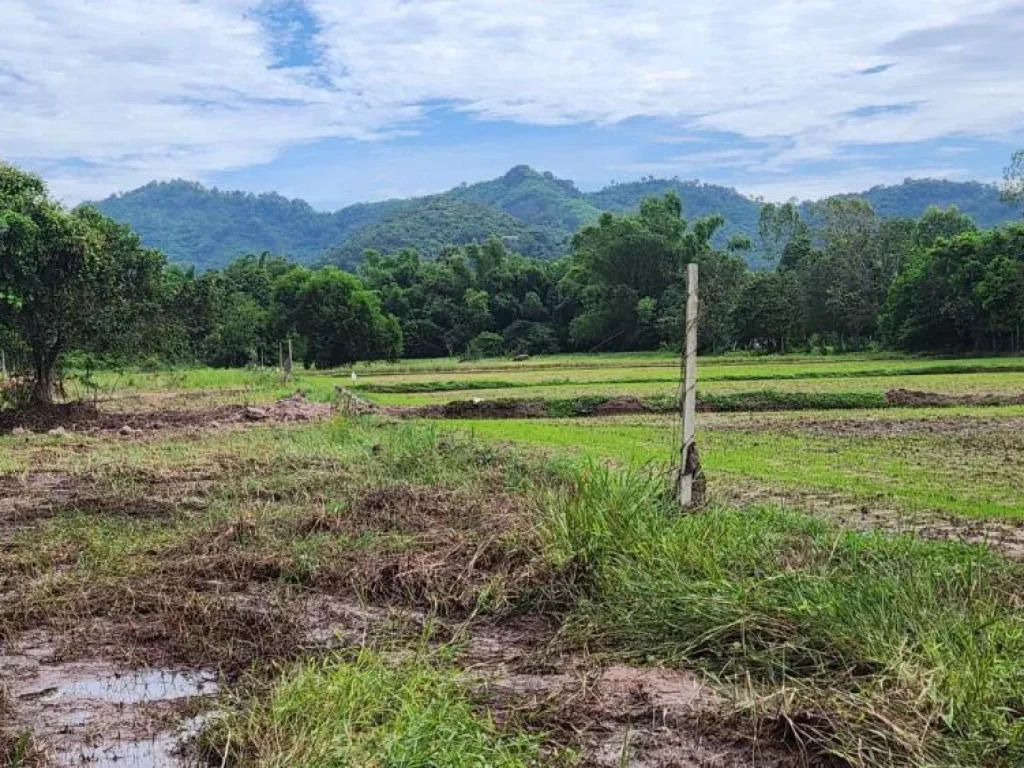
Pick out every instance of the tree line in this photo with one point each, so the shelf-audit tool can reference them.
(73, 282)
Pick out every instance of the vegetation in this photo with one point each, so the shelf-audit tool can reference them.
(963, 293)
(362, 709)
(207, 228)
(871, 648)
(68, 279)
(873, 638)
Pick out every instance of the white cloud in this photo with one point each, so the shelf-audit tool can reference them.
(141, 89)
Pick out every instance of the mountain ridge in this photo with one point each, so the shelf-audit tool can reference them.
(536, 211)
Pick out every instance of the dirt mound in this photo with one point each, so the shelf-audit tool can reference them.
(916, 399)
(480, 409)
(87, 417)
(621, 405)
(513, 408)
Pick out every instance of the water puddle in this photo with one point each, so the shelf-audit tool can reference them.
(95, 714)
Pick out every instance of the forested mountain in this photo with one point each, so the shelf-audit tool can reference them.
(536, 213)
(429, 224)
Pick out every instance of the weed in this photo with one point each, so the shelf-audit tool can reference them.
(364, 709)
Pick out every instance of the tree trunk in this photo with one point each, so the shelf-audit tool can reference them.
(43, 361)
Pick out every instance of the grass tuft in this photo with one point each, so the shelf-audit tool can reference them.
(363, 709)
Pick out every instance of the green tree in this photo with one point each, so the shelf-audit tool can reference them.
(767, 314)
(964, 293)
(341, 321)
(67, 278)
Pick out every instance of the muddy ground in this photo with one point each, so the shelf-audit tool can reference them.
(89, 417)
(121, 663)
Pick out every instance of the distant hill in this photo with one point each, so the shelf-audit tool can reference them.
(536, 212)
(429, 224)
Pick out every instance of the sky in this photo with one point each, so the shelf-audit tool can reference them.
(340, 101)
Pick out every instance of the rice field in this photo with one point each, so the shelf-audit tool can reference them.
(204, 567)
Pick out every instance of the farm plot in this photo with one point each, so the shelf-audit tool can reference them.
(254, 591)
(977, 384)
(215, 587)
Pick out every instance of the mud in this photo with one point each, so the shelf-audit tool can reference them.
(880, 427)
(613, 714)
(912, 398)
(96, 714)
(1003, 536)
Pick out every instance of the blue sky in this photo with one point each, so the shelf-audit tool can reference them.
(340, 101)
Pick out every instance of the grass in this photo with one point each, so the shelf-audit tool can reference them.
(365, 709)
(710, 370)
(977, 474)
(879, 650)
(959, 384)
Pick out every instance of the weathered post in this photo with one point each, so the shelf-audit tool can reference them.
(288, 361)
(691, 487)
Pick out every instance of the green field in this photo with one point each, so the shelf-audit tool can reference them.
(974, 472)
(953, 384)
(380, 589)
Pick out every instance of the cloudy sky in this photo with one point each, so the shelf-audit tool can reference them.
(338, 101)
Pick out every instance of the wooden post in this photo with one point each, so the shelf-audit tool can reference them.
(689, 465)
(288, 361)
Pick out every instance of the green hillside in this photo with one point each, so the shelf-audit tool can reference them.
(429, 224)
(536, 212)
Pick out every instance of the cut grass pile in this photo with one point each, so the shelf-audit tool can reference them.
(364, 709)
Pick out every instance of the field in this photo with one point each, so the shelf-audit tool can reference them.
(199, 567)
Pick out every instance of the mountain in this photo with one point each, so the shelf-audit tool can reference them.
(208, 227)
(911, 198)
(535, 212)
(431, 223)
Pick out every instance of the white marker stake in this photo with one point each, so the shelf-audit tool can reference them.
(690, 392)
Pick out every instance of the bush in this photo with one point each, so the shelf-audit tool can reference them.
(486, 344)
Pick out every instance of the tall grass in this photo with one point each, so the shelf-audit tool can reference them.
(879, 650)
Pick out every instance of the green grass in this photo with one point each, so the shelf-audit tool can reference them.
(880, 650)
(955, 384)
(224, 384)
(979, 475)
(363, 709)
(710, 370)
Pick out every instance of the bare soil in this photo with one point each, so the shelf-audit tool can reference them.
(1003, 536)
(89, 417)
(914, 398)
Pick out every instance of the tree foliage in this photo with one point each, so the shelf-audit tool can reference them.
(68, 279)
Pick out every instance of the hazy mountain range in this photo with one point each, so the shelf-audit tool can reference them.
(536, 212)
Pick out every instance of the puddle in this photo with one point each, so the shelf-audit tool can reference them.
(95, 714)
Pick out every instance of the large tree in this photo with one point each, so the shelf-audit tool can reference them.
(67, 278)
(340, 321)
